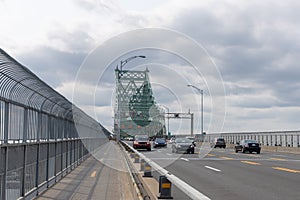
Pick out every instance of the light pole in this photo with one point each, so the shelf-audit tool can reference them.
(168, 111)
(201, 92)
(122, 64)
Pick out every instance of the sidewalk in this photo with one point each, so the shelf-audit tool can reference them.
(105, 180)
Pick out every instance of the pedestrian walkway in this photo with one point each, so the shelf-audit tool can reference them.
(95, 179)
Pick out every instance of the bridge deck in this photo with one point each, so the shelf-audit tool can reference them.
(107, 179)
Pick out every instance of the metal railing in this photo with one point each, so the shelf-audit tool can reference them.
(43, 136)
(275, 138)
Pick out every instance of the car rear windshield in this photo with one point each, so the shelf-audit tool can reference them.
(220, 140)
(183, 140)
(141, 138)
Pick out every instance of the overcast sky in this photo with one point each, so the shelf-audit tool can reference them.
(253, 45)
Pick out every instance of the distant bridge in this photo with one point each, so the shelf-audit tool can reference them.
(136, 111)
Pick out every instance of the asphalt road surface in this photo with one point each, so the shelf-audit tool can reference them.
(224, 174)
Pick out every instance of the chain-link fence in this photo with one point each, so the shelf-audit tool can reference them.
(43, 136)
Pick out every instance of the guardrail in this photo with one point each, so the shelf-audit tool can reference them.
(43, 136)
(184, 187)
(275, 138)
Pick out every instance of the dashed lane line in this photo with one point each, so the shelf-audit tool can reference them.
(286, 169)
(250, 163)
(211, 168)
(211, 154)
(226, 158)
(252, 155)
(187, 160)
(277, 159)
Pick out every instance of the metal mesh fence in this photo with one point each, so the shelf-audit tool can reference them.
(42, 134)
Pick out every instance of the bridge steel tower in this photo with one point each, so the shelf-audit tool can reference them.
(136, 112)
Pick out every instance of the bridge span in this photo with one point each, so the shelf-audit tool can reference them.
(51, 149)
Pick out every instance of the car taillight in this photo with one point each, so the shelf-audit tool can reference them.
(148, 142)
(135, 142)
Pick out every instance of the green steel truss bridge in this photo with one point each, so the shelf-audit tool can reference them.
(136, 111)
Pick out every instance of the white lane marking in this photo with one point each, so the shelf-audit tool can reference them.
(169, 154)
(187, 160)
(183, 186)
(217, 170)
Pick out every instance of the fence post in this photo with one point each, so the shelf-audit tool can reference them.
(6, 120)
(3, 189)
(24, 170)
(37, 167)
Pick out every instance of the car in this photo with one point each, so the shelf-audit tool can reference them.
(218, 142)
(247, 146)
(183, 145)
(191, 138)
(129, 138)
(141, 142)
(159, 142)
(172, 140)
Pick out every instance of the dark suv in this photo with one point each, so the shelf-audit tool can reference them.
(218, 142)
(247, 146)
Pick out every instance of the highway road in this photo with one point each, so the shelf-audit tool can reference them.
(224, 174)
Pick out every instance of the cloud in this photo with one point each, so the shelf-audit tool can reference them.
(53, 66)
(255, 46)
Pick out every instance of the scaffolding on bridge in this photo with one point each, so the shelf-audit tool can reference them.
(136, 112)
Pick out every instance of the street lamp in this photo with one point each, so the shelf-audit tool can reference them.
(167, 108)
(201, 92)
(123, 62)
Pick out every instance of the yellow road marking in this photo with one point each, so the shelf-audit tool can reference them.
(279, 159)
(286, 169)
(251, 155)
(226, 158)
(210, 154)
(250, 163)
(93, 174)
